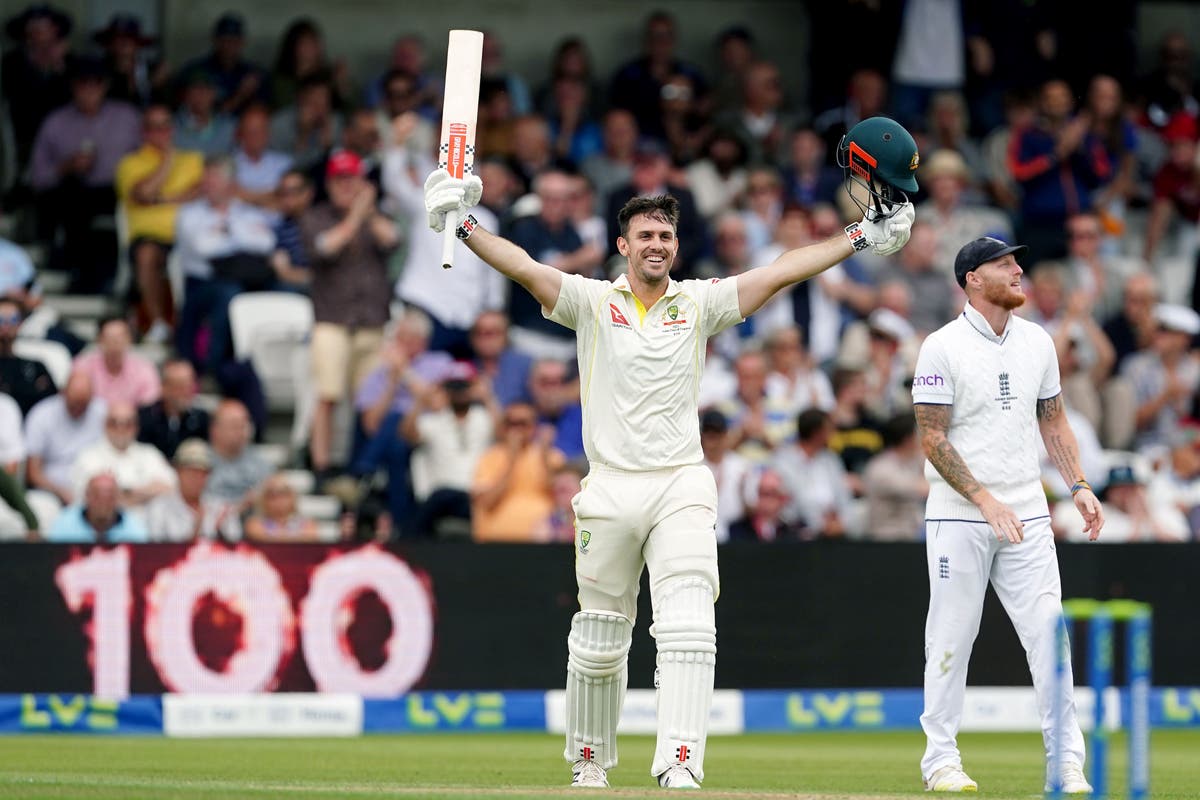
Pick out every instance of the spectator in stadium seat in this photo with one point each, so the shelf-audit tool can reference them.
(949, 126)
(118, 374)
(894, 484)
(559, 526)
(152, 182)
(348, 241)
(101, 519)
(25, 380)
(409, 57)
(736, 51)
(718, 178)
(135, 76)
(1129, 516)
(199, 124)
(1058, 162)
(18, 277)
(1165, 376)
(1176, 482)
(294, 196)
(449, 427)
(240, 82)
(238, 470)
(810, 178)
(16, 518)
(575, 135)
(935, 297)
(1097, 272)
(686, 119)
(866, 96)
(651, 176)
(57, 430)
(257, 169)
(187, 514)
(856, 436)
(1176, 184)
(141, 471)
(174, 417)
(613, 166)
(762, 206)
(1003, 189)
(814, 477)
(1118, 136)
(510, 490)
(571, 59)
(764, 520)
(729, 470)
(637, 85)
(1085, 359)
(74, 165)
(888, 371)
(34, 73)
(506, 369)
(1170, 88)
(1132, 328)
(950, 214)
(551, 238)
(761, 122)
(759, 422)
(793, 377)
(556, 400)
(405, 366)
(307, 128)
(399, 115)
(277, 518)
(360, 136)
(302, 58)
(224, 248)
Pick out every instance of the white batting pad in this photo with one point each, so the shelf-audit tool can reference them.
(598, 649)
(686, 632)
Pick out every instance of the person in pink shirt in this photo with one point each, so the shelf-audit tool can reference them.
(117, 374)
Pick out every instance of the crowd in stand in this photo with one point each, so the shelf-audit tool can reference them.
(300, 177)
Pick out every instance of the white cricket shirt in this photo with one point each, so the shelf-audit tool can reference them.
(639, 375)
(993, 382)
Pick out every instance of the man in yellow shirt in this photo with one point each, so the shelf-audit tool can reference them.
(510, 494)
(152, 182)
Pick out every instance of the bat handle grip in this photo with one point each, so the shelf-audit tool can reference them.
(448, 239)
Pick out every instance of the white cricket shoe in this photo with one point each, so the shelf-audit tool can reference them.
(950, 779)
(678, 777)
(1073, 781)
(587, 774)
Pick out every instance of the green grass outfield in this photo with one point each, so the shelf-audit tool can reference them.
(815, 765)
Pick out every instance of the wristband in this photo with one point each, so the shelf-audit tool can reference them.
(1079, 486)
(857, 237)
(466, 227)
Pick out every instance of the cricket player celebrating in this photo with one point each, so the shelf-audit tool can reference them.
(648, 500)
(984, 384)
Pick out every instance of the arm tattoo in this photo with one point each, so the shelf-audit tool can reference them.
(1049, 408)
(934, 421)
(1059, 438)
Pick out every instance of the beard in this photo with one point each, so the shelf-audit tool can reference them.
(1001, 294)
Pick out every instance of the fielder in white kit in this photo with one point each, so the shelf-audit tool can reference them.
(985, 385)
(649, 501)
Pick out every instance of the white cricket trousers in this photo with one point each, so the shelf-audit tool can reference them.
(963, 556)
(663, 520)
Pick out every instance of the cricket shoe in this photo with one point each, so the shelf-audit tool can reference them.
(678, 777)
(587, 774)
(950, 779)
(1073, 781)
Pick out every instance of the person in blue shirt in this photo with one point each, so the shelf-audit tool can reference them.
(100, 519)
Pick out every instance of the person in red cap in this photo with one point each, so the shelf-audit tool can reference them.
(348, 241)
(1176, 188)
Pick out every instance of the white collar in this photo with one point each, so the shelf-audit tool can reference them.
(622, 284)
(980, 323)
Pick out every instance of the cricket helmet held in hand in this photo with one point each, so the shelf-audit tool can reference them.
(880, 160)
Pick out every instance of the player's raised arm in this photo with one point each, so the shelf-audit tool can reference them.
(879, 158)
(445, 194)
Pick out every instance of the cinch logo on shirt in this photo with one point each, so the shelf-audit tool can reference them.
(617, 317)
(928, 380)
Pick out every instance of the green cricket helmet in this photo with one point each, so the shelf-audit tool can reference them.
(880, 160)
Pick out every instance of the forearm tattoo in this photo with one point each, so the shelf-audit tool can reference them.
(1058, 438)
(934, 422)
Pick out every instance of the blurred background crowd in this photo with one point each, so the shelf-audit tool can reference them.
(222, 314)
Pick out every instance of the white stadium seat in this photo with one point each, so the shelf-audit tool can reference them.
(268, 328)
(55, 356)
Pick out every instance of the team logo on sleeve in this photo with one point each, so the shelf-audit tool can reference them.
(585, 538)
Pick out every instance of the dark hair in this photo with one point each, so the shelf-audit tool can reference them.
(663, 208)
(843, 377)
(295, 172)
(898, 428)
(285, 61)
(809, 421)
(108, 319)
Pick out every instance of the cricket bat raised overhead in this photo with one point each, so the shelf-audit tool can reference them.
(460, 110)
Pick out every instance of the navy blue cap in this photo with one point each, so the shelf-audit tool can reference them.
(229, 24)
(982, 251)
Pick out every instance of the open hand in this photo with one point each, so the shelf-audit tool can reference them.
(1093, 514)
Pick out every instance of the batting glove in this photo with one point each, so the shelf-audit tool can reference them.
(889, 235)
(444, 194)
